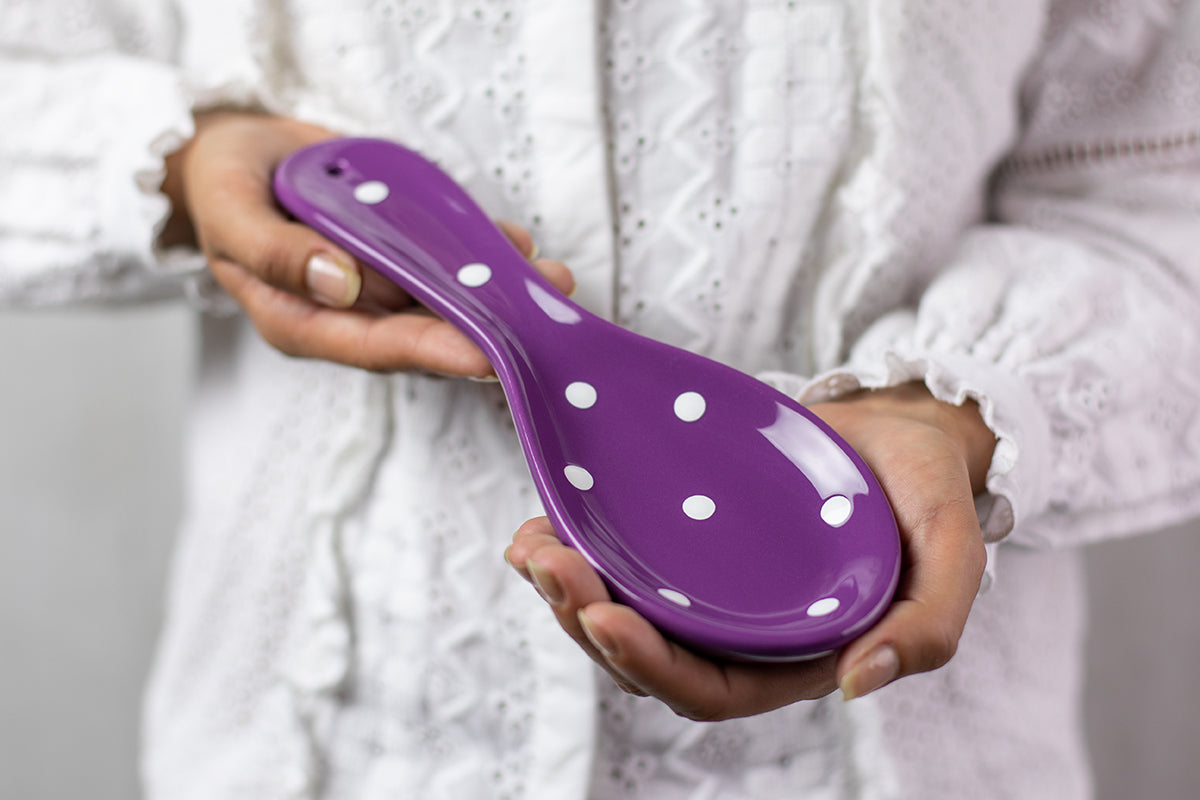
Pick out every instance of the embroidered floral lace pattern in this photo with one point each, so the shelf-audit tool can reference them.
(795, 186)
(702, 225)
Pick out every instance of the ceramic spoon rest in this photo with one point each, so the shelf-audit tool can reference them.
(720, 509)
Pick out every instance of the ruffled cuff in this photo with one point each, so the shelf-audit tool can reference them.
(140, 144)
(81, 198)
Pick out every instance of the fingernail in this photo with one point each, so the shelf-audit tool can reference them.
(546, 584)
(876, 670)
(597, 637)
(520, 568)
(333, 282)
(534, 251)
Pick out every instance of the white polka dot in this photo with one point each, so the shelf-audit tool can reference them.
(371, 192)
(579, 477)
(678, 598)
(823, 608)
(837, 510)
(474, 275)
(581, 395)
(699, 507)
(690, 406)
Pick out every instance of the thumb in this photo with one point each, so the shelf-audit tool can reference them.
(921, 630)
(249, 231)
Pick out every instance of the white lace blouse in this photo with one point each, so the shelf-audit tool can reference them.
(999, 198)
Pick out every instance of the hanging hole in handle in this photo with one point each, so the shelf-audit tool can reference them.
(335, 169)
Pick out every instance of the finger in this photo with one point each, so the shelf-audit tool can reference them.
(406, 341)
(639, 657)
(554, 271)
(380, 295)
(568, 583)
(521, 238)
(694, 686)
(565, 581)
(920, 631)
(532, 534)
(557, 273)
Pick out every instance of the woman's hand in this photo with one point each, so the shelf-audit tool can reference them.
(306, 297)
(930, 459)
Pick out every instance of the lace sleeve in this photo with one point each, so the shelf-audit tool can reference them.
(91, 106)
(1074, 316)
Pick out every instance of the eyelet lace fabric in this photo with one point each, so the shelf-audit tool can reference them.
(799, 188)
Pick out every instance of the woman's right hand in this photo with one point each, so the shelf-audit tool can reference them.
(307, 297)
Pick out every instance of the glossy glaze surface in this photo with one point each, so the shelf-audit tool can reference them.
(723, 511)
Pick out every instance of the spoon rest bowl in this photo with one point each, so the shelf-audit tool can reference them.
(720, 509)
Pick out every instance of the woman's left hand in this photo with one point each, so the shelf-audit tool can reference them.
(930, 458)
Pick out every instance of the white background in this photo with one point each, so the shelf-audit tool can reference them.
(91, 412)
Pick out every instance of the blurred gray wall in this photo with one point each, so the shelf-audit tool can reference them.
(91, 407)
(90, 448)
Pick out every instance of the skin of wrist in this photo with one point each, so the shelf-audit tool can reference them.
(962, 424)
(177, 231)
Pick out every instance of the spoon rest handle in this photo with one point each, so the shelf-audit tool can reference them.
(422, 231)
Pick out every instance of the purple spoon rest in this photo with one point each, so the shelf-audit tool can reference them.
(720, 509)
